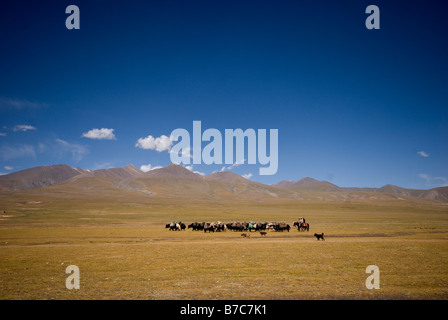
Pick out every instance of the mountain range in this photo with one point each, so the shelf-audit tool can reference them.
(175, 180)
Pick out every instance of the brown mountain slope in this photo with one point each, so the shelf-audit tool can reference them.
(308, 184)
(38, 177)
(175, 181)
(173, 171)
(328, 190)
(440, 193)
(119, 173)
(226, 176)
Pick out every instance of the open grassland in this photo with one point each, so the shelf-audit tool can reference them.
(123, 250)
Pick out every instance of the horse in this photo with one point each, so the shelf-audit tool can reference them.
(301, 226)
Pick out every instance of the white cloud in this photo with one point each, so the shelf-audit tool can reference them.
(247, 176)
(78, 151)
(100, 134)
(185, 153)
(148, 167)
(3, 134)
(23, 127)
(441, 181)
(423, 154)
(191, 169)
(18, 104)
(7, 153)
(9, 168)
(102, 165)
(41, 147)
(434, 182)
(236, 164)
(159, 144)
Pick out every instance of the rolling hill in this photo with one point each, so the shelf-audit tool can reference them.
(310, 185)
(38, 177)
(177, 181)
(117, 173)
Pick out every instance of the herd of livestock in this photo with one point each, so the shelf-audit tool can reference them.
(301, 225)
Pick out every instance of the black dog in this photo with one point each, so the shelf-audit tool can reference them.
(319, 236)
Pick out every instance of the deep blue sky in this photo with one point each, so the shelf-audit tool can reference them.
(352, 106)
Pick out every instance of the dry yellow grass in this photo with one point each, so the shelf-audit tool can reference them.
(123, 250)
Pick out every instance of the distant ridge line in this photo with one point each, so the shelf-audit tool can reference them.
(174, 178)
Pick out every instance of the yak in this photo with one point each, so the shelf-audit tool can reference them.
(210, 227)
(173, 226)
(196, 226)
(282, 227)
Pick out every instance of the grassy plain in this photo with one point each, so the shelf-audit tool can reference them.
(123, 250)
